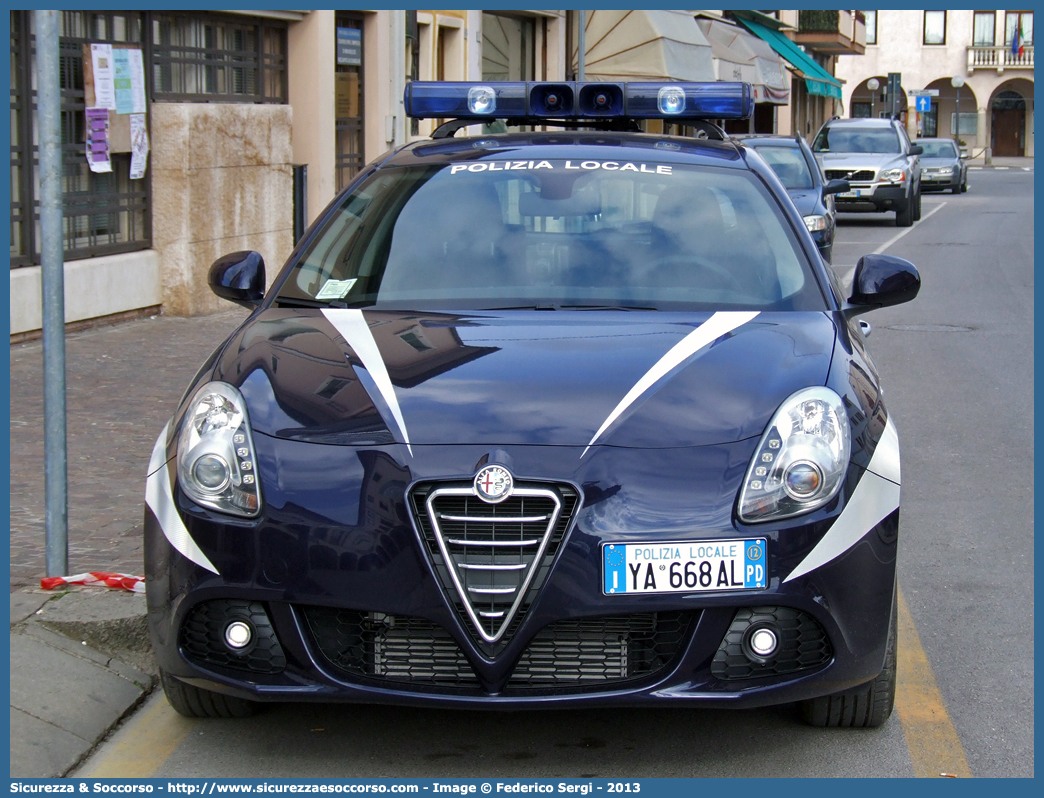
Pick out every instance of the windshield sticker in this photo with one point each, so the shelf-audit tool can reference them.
(609, 166)
(336, 289)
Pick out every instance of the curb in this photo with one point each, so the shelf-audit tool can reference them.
(71, 683)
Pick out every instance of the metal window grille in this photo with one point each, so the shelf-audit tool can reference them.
(102, 213)
(348, 160)
(197, 57)
(210, 58)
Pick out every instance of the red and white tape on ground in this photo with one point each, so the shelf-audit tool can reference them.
(135, 584)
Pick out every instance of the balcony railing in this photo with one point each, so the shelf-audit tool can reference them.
(818, 21)
(831, 31)
(999, 58)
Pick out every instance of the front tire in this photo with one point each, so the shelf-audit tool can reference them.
(917, 206)
(195, 702)
(864, 708)
(904, 216)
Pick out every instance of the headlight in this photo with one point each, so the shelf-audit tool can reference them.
(814, 223)
(892, 176)
(800, 463)
(216, 463)
(945, 170)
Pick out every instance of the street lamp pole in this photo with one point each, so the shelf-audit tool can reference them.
(873, 84)
(957, 81)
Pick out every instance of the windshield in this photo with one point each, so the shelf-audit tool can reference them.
(938, 149)
(842, 138)
(788, 163)
(556, 233)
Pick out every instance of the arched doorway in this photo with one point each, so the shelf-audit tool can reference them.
(866, 103)
(1008, 124)
(942, 120)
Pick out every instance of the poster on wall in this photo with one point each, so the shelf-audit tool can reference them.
(128, 81)
(98, 140)
(139, 146)
(104, 76)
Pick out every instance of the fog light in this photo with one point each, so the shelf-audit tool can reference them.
(764, 642)
(238, 635)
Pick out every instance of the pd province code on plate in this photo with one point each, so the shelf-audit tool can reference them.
(684, 567)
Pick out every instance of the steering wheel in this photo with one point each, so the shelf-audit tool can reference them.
(721, 277)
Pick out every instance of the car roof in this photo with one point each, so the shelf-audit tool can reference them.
(768, 138)
(861, 121)
(573, 144)
(936, 138)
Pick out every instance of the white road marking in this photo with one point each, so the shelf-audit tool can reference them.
(899, 235)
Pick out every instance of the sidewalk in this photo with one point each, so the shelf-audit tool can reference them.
(70, 678)
(1002, 162)
(80, 660)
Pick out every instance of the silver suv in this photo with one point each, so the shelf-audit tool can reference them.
(878, 160)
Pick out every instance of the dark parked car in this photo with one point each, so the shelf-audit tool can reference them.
(943, 166)
(793, 162)
(876, 157)
(561, 418)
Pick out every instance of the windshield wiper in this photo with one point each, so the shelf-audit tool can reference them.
(303, 302)
(607, 307)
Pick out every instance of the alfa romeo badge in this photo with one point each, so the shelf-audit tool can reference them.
(493, 483)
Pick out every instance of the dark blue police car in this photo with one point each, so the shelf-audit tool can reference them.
(540, 419)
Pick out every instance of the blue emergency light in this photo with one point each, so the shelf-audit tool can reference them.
(572, 100)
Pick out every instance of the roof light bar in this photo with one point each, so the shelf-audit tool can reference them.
(439, 99)
(594, 100)
(689, 100)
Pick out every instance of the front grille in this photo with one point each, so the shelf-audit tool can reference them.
(860, 176)
(803, 644)
(203, 637)
(395, 647)
(595, 651)
(499, 554)
(569, 654)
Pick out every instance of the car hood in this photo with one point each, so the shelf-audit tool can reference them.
(573, 378)
(937, 162)
(860, 160)
(806, 200)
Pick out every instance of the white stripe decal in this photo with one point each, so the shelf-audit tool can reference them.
(352, 326)
(711, 330)
(159, 499)
(874, 499)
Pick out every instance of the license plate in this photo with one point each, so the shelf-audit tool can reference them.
(691, 566)
(855, 194)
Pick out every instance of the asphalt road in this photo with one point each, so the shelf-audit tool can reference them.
(958, 368)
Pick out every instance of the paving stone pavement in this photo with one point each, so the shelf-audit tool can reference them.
(123, 383)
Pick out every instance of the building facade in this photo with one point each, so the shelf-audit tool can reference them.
(254, 119)
(989, 52)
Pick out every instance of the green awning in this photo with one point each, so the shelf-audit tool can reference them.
(817, 79)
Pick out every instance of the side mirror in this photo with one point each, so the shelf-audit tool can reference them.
(836, 187)
(239, 277)
(882, 280)
(916, 149)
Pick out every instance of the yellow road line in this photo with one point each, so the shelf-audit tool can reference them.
(935, 749)
(143, 745)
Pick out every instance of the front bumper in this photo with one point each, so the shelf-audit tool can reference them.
(355, 550)
(936, 182)
(872, 197)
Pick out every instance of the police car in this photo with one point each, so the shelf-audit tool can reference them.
(561, 418)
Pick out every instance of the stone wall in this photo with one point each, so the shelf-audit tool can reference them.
(222, 180)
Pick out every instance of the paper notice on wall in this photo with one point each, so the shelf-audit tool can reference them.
(104, 76)
(128, 81)
(98, 140)
(139, 146)
(137, 77)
